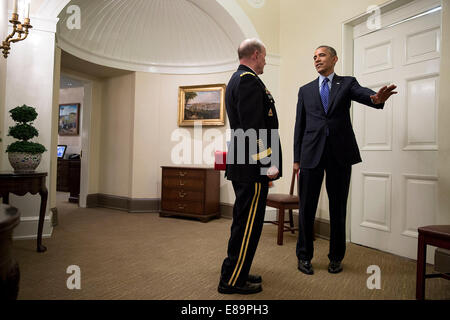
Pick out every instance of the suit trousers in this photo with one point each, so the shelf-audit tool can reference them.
(337, 186)
(248, 218)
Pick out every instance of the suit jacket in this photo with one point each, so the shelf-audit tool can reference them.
(255, 144)
(313, 126)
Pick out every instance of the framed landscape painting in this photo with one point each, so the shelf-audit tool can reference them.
(69, 119)
(204, 103)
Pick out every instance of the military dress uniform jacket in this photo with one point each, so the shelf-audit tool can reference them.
(254, 123)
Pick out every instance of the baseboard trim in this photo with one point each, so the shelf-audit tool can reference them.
(122, 203)
(28, 226)
(54, 219)
(322, 228)
(226, 210)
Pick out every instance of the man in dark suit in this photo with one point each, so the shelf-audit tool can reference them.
(254, 159)
(324, 141)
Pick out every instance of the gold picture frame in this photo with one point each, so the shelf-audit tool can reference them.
(201, 103)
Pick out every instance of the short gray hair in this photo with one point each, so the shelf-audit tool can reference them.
(248, 47)
(330, 50)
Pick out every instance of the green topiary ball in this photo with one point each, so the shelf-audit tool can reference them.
(26, 146)
(23, 114)
(23, 131)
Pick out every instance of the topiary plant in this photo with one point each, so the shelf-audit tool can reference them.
(24, 131)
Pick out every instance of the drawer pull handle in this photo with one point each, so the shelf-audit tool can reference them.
(181, 183)
(181, 207)
(182, 194)
(182, 174)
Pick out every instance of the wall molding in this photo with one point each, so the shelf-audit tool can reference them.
(54, 219)
(321, 226)
(28, 226)
(122, 203)
(273, 59)
(226, 210)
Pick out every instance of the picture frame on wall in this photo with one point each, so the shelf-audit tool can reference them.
(69, 119)
(201, 103)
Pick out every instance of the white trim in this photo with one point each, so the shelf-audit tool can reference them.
(244, 29)
(52, 8)
(348, 34)
(85, 136)
(150, 67)
(85, 143)
(395, 10)
(386, 7)
(273, 59)
(28, 226)
(240, 17)
(35, 218)
(422, 177)
(396, 15)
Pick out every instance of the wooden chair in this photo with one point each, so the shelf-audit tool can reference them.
(283, 202)
(438, 236)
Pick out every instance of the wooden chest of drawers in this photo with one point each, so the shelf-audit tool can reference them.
(190, 192)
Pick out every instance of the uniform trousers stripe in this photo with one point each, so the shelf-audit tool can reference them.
(247, 234)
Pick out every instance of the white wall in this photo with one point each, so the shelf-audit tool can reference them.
(116, 140)
(30, 81)
(3, 34)
(444, 120)
(138, 125)
(304, 26)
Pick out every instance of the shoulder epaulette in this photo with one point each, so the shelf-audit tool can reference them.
(245, 73)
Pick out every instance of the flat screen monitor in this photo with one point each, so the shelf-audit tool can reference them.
(61, 151)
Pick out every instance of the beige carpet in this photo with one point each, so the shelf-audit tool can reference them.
(143, 256)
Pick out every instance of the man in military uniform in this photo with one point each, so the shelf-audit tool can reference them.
(254, 159)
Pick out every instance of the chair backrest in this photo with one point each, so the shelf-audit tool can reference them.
(291, 190)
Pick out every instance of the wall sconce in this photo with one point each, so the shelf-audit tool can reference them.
(20, 30)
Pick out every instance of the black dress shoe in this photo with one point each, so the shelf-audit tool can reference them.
(334, 267)
(254, 278)
(305, 266)
(247, 288)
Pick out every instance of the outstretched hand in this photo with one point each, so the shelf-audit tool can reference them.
(383, 94)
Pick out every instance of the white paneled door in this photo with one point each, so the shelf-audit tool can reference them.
(394, 189)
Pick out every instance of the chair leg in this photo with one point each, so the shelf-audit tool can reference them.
(421, 264)
(280, 226)
(291, 221)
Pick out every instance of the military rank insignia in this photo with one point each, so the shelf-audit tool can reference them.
(270, 112)
(270, 96)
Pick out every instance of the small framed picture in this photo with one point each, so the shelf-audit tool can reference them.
(203, 103)
(69, 119)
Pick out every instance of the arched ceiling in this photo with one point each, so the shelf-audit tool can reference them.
(163, 36)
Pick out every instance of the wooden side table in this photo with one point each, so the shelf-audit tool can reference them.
(438, 236)
(22, 183)
(9, 269)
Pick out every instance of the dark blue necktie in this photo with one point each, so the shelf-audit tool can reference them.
(324, 94)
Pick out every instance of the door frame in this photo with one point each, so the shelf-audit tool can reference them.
(398, 10)
(85, 135)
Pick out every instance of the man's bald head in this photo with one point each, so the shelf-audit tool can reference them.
(248, 47)
(252, 53)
